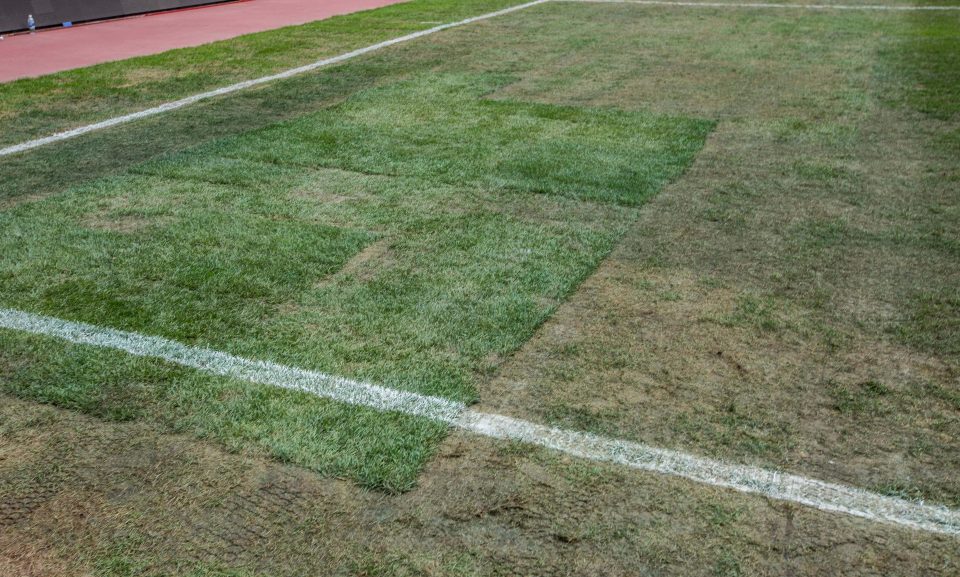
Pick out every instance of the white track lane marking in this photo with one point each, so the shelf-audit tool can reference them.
(60, 136)
(879, 7)
(773, 484)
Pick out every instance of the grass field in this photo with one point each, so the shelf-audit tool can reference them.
(731, 232)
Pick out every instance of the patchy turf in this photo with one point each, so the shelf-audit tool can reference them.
(127, 499)
(789, 300)
(234, 247)
(441, 128)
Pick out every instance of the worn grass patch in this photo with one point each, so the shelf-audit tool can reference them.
(791, 300)
(125, 499)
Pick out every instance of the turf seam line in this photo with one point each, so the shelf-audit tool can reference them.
(876, 7)
(744, 478)
(176, 104)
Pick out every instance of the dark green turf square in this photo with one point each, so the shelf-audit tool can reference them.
(441, 127)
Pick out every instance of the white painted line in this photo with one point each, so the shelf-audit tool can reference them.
(226, 365)
(754, 480)
(768, 483)
(60, 136)
(879, 7)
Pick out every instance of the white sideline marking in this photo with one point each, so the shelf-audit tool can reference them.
(31, 144)
(744, 478)
(769, 5)
(226, 365)
(772, 484)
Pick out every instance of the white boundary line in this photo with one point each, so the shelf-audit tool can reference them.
(879, 7)
(226, 365)
(772, 484)
(31, 144)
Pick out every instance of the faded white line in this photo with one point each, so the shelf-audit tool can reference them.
(768, 483)
(773, 484)
(169, 106)
(880, 7)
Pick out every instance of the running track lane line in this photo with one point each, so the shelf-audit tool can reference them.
(65, 135)
(31, 144)
(765, 482)
(878, 7)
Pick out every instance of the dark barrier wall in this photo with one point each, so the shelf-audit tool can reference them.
(13, 13)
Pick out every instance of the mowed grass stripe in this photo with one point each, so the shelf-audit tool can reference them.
(772, 484)
(174, 105)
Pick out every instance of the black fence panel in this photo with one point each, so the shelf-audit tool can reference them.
(13, 13)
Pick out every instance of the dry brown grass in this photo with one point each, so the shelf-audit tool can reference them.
(759, 310)
(143, 503)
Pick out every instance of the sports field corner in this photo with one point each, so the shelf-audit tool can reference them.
(485, 287)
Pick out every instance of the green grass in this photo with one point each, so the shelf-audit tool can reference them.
(922, 64)
(409, 253)
(34, 107)
(926, 59)
(378, 450)
(441, 128)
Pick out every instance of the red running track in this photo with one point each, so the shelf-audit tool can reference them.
(53, 50)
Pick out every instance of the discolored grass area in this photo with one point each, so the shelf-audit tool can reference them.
(447, 260)
(788, 300)
(791, 300)
(121, 499)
